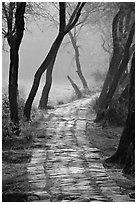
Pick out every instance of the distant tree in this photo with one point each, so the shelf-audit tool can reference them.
(74, 35)
(92, 12)
(49, 61)
(13, 19)
(73, 38)
(122, 43)
(125, 154)
(75, 87)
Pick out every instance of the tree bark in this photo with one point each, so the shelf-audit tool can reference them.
(129, 167)
(14, 41)
(48, 63)
(75, 87)
(115, 60)
(45, 92)
(78, 65)
(128, 134)
(13, 85)
(124, 95)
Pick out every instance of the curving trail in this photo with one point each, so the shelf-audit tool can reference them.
(64, 166)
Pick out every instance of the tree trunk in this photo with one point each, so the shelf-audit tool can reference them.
(129, 167)
(120, 28)
(45, 92)
(124, 95)
(79, 70)
(75, 87)
(14, 41)
(13, 85)
(115, 60)
(128, 134)
(104, 104)
(45, 65)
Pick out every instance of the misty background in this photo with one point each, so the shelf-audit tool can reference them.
(34, 48)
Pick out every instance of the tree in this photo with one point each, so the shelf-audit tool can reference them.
(48, 63)
(126, 146)
(90, 11)
(93, 12)
(75, 87)
(118, 63)
(13, 16)
(16, 16)
(73, 38)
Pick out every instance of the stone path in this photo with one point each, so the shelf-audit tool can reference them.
(64, 166)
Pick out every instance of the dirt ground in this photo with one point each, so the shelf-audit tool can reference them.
(107, 139)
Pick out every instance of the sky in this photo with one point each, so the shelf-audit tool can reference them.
(34, 48)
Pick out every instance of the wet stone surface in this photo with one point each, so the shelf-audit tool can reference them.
(64, 166)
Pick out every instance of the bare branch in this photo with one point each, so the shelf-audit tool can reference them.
(74, 20)
(73, 14)
(4, 32)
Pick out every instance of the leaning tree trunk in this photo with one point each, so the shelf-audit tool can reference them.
(104, 104)
(79, 70)
(45, 92)
(128, 135)
(48, 63)
(75, 87)
(115, 60)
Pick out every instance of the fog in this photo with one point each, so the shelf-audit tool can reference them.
(34, 48)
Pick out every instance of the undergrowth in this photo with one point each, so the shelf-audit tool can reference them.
(9, 139)
(116, 112)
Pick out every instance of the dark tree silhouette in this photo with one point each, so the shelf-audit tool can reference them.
(48, 63)
(119, 61)
(125, 151)
(13, 15)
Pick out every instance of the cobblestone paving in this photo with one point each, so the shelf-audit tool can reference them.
(64, 166)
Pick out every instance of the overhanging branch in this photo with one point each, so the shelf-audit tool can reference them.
(73, 15)
(77, 12)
